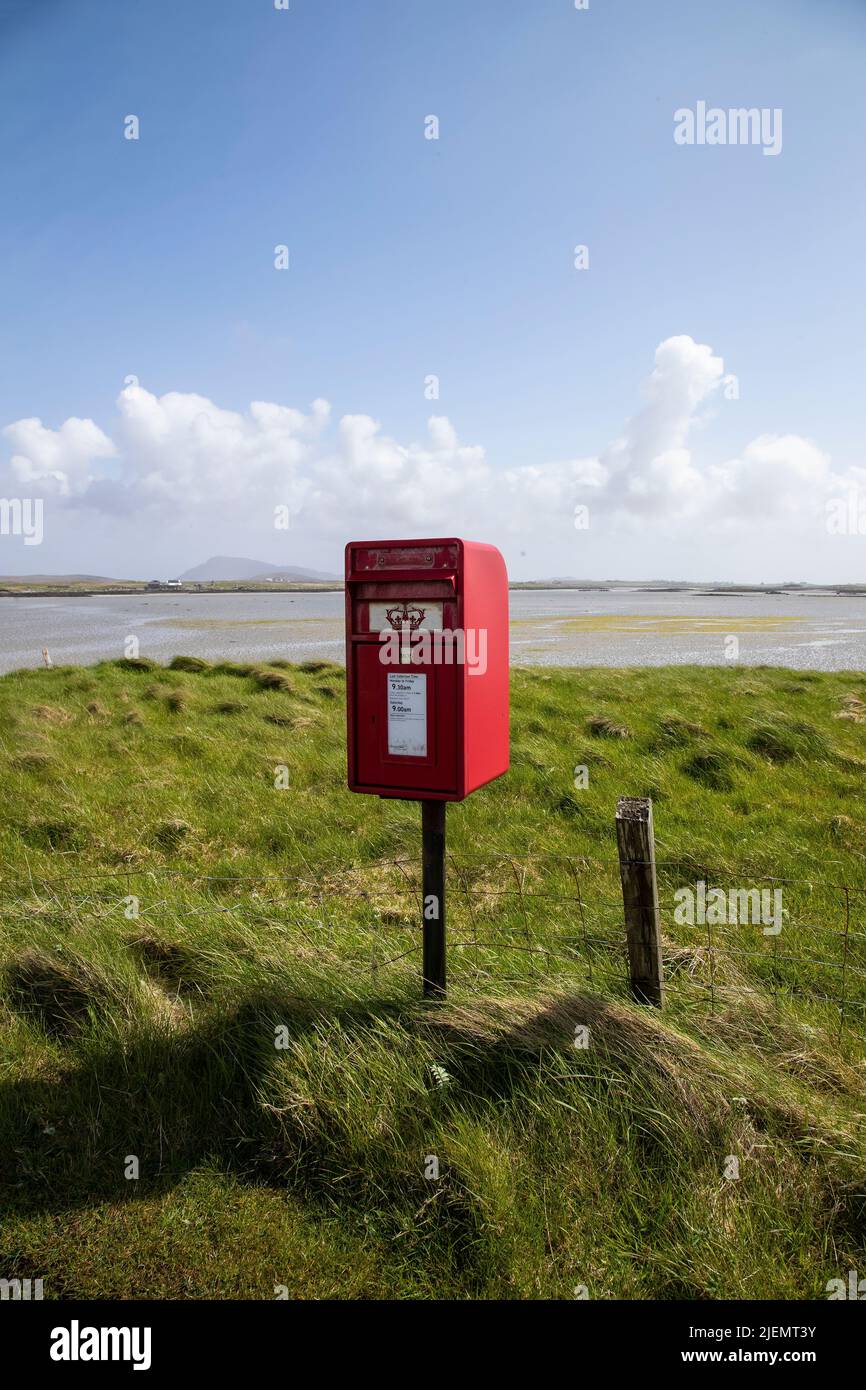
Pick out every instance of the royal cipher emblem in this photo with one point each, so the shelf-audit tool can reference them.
(407, 615)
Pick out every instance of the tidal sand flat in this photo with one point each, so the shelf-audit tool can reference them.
(549, 627)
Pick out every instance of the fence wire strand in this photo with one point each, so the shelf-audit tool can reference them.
(564, 911)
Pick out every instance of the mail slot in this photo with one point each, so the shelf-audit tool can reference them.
(427, 667)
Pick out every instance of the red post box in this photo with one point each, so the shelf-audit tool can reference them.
(427, 667)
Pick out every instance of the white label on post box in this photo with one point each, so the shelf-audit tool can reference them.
(407, 715)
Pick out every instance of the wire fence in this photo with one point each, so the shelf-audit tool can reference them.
(514, 918)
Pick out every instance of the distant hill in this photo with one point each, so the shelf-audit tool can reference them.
(236, 567)
(55, 579)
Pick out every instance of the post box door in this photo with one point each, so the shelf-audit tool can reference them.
(405, 724)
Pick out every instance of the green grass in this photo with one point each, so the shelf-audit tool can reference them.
(221, 979)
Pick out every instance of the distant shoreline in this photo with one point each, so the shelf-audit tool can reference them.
(136, 587)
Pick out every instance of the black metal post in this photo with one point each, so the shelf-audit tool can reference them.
(433, 895)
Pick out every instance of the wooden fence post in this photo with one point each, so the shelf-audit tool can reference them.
(637, 867)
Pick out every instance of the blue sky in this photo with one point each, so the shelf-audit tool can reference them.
(410, 257)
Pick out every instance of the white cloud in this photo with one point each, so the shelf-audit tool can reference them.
(776, 476)
(182, 451)
(60, 461)
(650, 469)
(181, 457)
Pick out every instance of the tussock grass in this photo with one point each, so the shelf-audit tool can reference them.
(712, 768)
(853, 708)
(779, 739)
(59, 992)
(675, 730)
(188, 663)
(177, 700)
(600, 726)
(31, 760)
(172, 963)
(240, 669)
(169, 834)
(223, 979)
(51, 714)
(316, 668)
(136, 663)
(272, 680)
